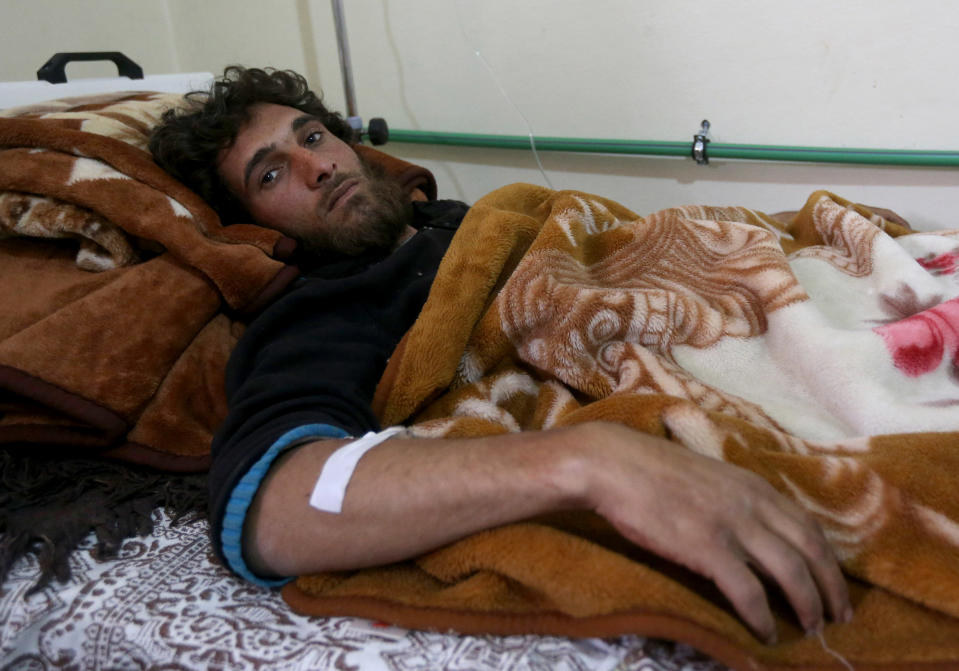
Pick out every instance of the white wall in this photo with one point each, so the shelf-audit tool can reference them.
(33, 30)
(852, 73)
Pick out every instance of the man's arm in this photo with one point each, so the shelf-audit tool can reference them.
(411, 496)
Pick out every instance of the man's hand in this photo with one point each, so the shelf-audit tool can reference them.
(718, 520)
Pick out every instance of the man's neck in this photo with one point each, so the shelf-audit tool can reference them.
(404, 236)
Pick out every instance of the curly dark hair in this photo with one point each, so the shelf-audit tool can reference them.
(186, 142)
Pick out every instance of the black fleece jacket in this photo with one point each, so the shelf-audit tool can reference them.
(316, 355)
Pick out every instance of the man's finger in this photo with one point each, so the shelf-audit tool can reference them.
(783, 563)
(745, 592)
(802, 532)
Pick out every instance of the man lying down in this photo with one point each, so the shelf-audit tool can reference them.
(263, 148)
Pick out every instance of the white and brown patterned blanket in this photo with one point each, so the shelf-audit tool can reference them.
(821, 353)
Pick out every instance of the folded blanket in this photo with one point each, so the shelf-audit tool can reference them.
(127, 361)
(820, 353)
(130, 358)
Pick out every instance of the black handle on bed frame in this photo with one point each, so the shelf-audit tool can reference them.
(54, 70)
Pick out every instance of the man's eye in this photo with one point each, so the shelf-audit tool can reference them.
(268, 177)
(313, 137)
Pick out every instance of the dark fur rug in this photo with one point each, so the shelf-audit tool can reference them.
(48, 505)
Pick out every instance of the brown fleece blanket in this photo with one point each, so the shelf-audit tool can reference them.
(121, 292)
(820, 353)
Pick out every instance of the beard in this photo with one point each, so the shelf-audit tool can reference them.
(378, 216)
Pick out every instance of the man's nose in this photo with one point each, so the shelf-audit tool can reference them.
(315, 168)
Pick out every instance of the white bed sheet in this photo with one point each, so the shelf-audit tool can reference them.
(165, 604)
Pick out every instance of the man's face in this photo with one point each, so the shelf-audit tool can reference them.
(295, 176)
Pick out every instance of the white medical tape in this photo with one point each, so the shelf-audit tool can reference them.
(330, 488)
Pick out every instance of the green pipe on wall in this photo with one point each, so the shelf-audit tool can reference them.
(890, 157)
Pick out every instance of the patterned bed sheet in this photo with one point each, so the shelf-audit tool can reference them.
(165, 603)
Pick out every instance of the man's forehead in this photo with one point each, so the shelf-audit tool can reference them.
(268, 124)
(280, 114)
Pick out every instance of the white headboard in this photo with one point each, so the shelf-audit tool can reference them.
(14, 94)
